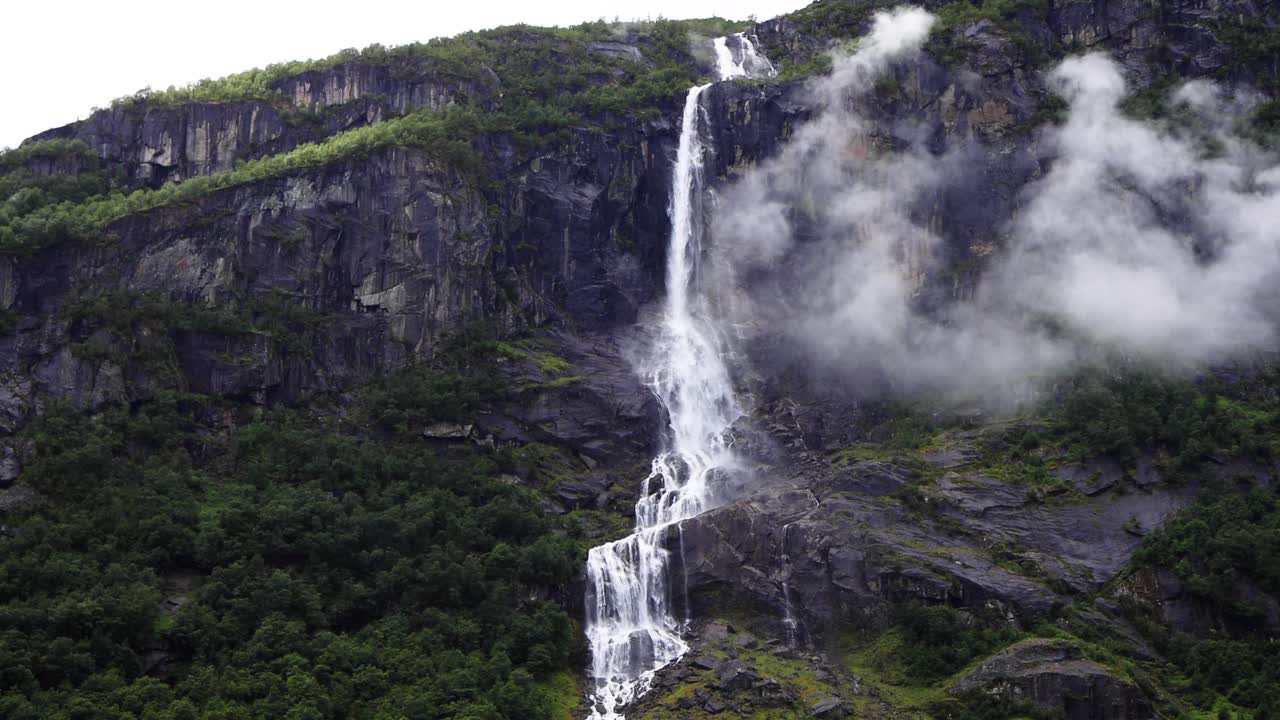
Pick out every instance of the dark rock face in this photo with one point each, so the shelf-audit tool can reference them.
(386, 256)
(153, 145)
(852, 548)
(1055, 676)
(398, 250)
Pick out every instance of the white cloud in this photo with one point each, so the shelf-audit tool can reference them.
(1135, 241)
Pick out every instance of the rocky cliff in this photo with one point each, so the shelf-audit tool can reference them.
(300, 285)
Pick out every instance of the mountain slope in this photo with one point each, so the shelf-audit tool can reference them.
(317, 385)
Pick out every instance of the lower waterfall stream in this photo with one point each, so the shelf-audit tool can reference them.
(631, 627)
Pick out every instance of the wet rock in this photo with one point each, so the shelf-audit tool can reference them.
(18, 498)
(735, 675)
(871, 478)
(715, 632)
(1055, 675)
(618, 50)
(1147, 472)
(10, 466)
(831, 707)
(640, 651)
(951, 457)
(976, 494)
(771, 693)
(551, 507)
(715, 707)
(580, 494)
(706, 662)
(1092, 477)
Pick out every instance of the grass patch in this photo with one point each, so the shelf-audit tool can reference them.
(563, 696)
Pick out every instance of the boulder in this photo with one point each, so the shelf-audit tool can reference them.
(832, 707)
(735, 676)
(706, 662)
(447, 431)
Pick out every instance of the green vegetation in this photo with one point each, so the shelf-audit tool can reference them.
(556, 371)
(544, 82)
(1255, 48)
(25, 194)
(1152, 102)
(1263, 126)
(315, 566)
(1255, 53)
(820, 64)
(824, 25)
(56, 149)
(835, 19)
(929, 643)
(1218, 542)
(909, 665)
(1002, 14)
(1125, 414)
(981, 705)
(1183, 422)
(444, 134)
(1215, 545)
(547, 77)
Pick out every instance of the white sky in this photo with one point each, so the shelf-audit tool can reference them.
(60, 58)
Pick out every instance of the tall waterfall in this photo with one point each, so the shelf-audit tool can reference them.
(631, 627)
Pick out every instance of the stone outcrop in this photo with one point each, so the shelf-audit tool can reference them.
(151, 144)
(1054, 675)
(860, 538)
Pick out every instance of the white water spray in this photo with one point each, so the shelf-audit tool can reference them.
(631, 627)
(741, 60)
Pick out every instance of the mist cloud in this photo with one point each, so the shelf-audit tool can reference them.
(1136, 241)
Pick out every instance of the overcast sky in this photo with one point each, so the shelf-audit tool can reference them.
(59, 59)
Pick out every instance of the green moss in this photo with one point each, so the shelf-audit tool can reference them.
(910, 665)
(563, 696)
(218, 498)
(590, 528)
(164, 624)
(1002, 14)
(536, 352)
(795, 674)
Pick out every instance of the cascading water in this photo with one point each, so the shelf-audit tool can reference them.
(790, 625)
(631, 628)
(742, 60)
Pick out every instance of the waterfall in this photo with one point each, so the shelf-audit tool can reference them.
(741, 60)
(790, 625)
(631, 627)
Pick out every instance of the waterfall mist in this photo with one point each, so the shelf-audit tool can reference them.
(1136, 240)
